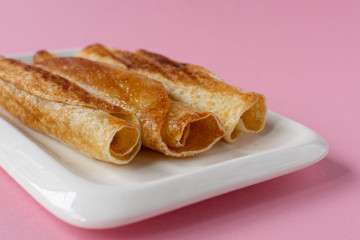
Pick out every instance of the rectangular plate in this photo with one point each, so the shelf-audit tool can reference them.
(93, 194)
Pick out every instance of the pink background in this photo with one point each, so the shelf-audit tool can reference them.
(303, 55)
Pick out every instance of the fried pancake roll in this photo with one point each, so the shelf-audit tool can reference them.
(62, 110)
(238, 110)
(167, 126)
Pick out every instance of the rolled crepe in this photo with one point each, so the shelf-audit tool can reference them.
(95, 133)
(238, 110)
(167, 126)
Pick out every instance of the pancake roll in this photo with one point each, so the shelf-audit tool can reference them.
(237, 110)
(62, 110)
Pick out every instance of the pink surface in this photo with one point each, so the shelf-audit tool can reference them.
(303, 55)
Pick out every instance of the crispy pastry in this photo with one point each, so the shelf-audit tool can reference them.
(238, 110)
(167, 126)
(62, 110)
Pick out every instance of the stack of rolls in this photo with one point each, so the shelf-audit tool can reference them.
(106, 103)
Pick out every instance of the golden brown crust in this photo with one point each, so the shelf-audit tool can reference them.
(49, 86)
(144, 61)
(166, 125)
(238, 110)
(94, 133)
(42, 55)
(61, 109)
(132, 92)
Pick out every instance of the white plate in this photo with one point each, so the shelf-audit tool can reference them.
(92, 194)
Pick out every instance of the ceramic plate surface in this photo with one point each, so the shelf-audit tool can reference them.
(93, 194)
